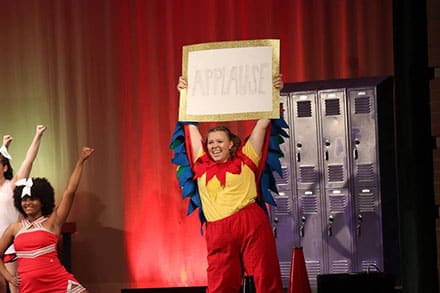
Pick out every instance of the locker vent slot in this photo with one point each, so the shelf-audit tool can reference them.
(307, 174)
(332, 107)
(283, 188)
(340, 266)
(282, 182)
(285, 173)
(313, 270)
(366, 202)
(338, 203)
(365, 172)
(335, 173)
(362, 105)
(370, 266)
(304, 109)
(283, 206)
(285, 270)
(309, 205)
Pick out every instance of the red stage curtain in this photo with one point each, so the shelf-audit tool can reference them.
(104, 73)
(319, 40)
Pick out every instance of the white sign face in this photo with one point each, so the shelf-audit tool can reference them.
(230, 81)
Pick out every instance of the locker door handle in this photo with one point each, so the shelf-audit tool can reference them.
(327, 144)
(298, 152)
(358, 226)
(275, 227)
(355, 149)
(330, 225)
(301, 228)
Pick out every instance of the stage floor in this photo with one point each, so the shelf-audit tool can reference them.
(166, 290)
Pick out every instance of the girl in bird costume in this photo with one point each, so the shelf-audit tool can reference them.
(230, 183)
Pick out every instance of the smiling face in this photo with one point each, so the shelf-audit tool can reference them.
(31, 206)
(219, 145)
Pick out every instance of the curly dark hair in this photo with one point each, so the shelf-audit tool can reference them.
(233, 137)
(5, 162)
(40, 189)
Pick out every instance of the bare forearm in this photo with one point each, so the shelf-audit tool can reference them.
(5, 273)
(262, 124)
(75, 177)
(31, 154)
(196, 139)
(69, 194)
(66, 201)
(5, 241)
(258, 134)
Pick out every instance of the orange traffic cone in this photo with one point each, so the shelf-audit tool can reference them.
(299, 281)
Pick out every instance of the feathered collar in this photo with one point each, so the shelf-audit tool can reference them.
(205, 164)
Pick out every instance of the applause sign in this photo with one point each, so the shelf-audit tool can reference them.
(230, 81)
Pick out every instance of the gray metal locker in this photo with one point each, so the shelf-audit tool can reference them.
(366, 179)
(308, 192)
(337, 204)
(283, 216)
(333, 202)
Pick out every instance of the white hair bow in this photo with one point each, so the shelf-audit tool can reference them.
(27, 183)
(4, 152)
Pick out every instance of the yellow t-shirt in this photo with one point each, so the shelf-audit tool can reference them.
(219, 201)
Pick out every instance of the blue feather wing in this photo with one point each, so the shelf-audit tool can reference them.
(273, 163)
(184, 174)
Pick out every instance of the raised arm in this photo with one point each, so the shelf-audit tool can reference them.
(7, 139)
(259, 131)
(257, 135)
(31, 154)
(194, 133)
(66, 202)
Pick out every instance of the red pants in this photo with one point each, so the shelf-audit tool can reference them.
(242, 244)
